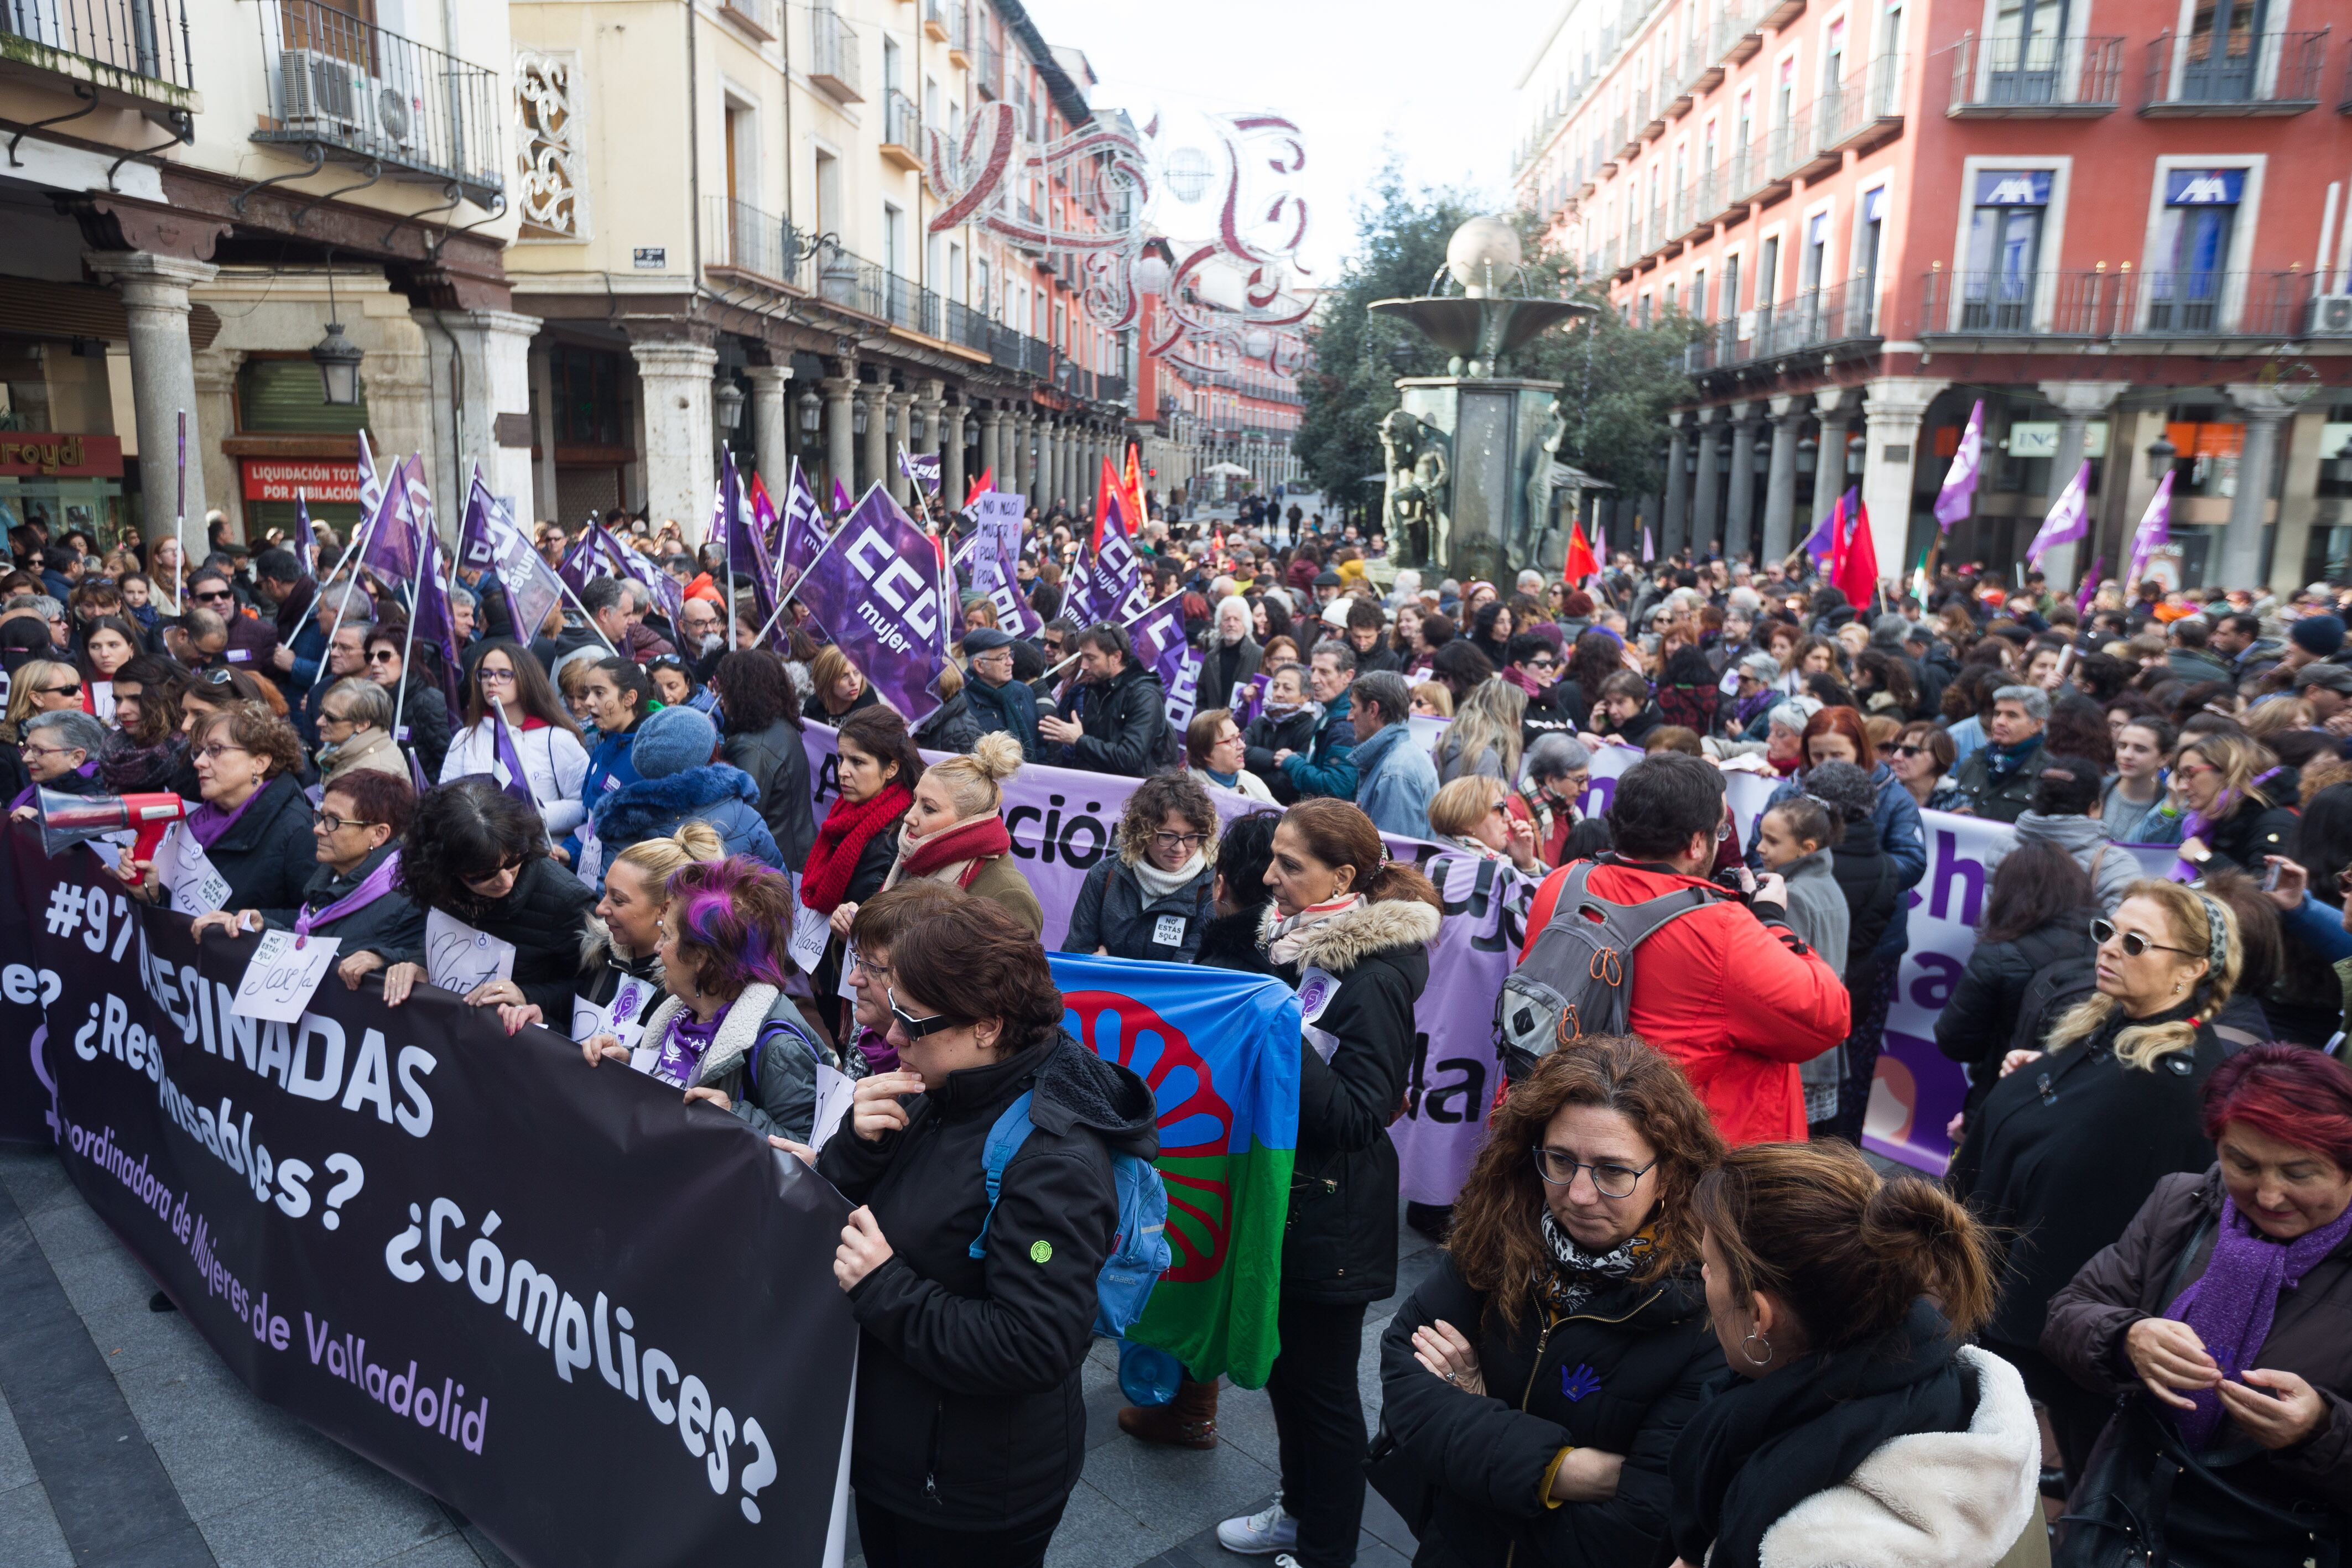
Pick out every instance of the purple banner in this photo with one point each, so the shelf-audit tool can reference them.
(885, 593)
(804, 529)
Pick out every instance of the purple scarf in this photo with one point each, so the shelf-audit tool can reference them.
(683, 1047)
(25, 798)
(2232, 1304)
(377, 884)
(207, 823)
(2196, 823)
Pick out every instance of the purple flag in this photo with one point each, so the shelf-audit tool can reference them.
(1823, 542)
(416, 773)
(2069, 519)
(2090, 586)
(431, 624)
(745, 552)
(840, 498)
(2154, 533)
(885, 593)
(490, 541)
(391, 552)
(804, 529)
(517, 782)
(1158, 637)
(1953, 500)
(1109, 585)
(1649, 545)
(922, 470)
(303, 537)
(371, 487)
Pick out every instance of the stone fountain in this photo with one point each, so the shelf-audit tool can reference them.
(1471, 454)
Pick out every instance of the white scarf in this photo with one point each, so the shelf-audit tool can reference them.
(1290, 934)
(1158, 883)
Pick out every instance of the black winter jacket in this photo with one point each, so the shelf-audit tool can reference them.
(268, 854)
(390, 925)
(1975, 1026)
(1872, 886)
(424, 719)
(1267, 734)
(954, 727)
(1125, 723)
(1113, 912)
(1011, 708)
(2242, 838)
(1339, 1241)
(970, 1415)
(544, 914)
(778, 764)
(1622, 1376)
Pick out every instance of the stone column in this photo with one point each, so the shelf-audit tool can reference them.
(772, 418)
(1052, 442)
(951, 440)
(1833, 406)
(2299, 505)
(876, 395)
(899, 403)
(215, 409)
(1676, 520)
(992, 447)
(542, 378)
(1789, 413)
(2078, 403)
(1021, 422)
(494, 347)
(1740, 503)
(1891, 424)
(930, 405)
(154, 291)
(1705, 491)
(2241, 544)
(679, 460)
(840, 431)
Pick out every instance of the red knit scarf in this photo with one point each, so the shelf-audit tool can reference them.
(977, 840)
(833, 859)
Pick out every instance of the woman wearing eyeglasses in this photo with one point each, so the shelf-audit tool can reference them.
(974, 1317)
(1357, 925)
(555, 763)
(350, 896)
(254, 823)
(2074, 1137)
(1571, 1270)
(2239, 801)
(1151, 899)
(61, 749)
(479, 856)
(726, 1033)
(406, 676)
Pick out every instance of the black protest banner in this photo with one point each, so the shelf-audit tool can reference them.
(600, 1322)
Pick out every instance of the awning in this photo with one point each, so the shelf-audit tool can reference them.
(38, 308)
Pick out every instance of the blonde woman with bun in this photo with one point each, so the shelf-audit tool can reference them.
(952, 833)
(620, 965)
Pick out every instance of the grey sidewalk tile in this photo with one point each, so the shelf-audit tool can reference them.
(451, 1551)
(351, 1518)
(16, 1461)
(106, 1279)
(170, 1394)
(30, 1536)
(233, 1457)
(136, 1336)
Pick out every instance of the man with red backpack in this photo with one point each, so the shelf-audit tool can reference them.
(1643, 944)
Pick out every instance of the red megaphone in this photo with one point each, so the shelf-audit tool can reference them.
(69, 820)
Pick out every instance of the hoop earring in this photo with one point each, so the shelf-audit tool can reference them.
(1753, 1359)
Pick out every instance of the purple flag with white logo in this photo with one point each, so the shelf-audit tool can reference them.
(490, 541)
(840, 498)
(921, 469)
(2090, 586)
(391, 552)
(1158, 638)
(433, 625)
(1109, 585)
(2154, 533)
(804, 529)
(517, 782)
(746, 554)
(885, 591)
(2069, 519)
(1952, 502)
(1823, 542)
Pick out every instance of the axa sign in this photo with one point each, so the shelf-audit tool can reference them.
(2204, 187)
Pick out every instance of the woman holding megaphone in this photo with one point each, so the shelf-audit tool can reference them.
(253, 826)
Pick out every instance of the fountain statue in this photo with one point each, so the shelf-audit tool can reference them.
(1471, 456)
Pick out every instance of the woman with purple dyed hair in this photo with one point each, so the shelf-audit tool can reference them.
(727, 1034)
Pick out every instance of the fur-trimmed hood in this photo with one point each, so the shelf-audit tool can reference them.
(1933, 1499)
(737, 1030)
(1338, 944)
(639, 811)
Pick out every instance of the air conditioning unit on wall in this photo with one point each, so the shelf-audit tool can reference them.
(2331, 315)
(317, 92)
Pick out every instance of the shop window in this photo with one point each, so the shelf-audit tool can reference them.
(589, 409)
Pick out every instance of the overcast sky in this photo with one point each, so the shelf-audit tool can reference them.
(1437, 83)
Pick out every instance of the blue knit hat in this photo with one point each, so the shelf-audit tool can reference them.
(2319, 635)
(672, 741)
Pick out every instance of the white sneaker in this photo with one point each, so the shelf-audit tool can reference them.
(1255, 1535)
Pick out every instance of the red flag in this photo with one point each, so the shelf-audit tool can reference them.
(1581, 563)
(1134, 488)
(1105, 494)
(1854, 568)
(982, 486)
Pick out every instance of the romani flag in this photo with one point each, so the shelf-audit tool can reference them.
(1220, 1049)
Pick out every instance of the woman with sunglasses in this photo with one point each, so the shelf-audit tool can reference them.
(36, 686)
(975, 1316)
(506, 679)
(2074, 1137)
(479, 856)
(405, 673)
(1363, 925)
(254, 821)
(727, 1034)
(1572, 1268)
(1922, 754)
(1152, 898)
(355, 833)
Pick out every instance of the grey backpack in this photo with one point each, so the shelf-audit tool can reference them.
(1577, 978)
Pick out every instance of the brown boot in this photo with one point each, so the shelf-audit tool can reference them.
(1189, 1421)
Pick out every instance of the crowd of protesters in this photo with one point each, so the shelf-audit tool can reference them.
(1677, 1316)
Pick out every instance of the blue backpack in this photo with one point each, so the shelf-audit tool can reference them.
(1139, 1252)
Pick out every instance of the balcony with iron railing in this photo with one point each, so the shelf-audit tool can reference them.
(987, 69)
(740, 238)
(2035, 78)
(960, 33)
(1864, 110)
(1798, 152)
(902, 130)
(132, 51)
(2192, 75)
(1703, 201)
(834, 65)
(2104, 304)
(1843, 313)
(342, 88)
(936, 26)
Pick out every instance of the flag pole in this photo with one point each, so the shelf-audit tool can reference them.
(1123, 625)
(785, 596)
(426, 545)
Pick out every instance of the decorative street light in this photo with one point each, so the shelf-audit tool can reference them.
(812, 411)
(2161, 455)
(727, 403)
(337, 357)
